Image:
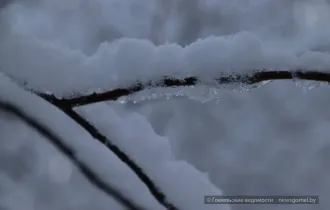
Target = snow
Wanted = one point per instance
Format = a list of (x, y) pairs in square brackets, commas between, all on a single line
[(52, 36), (272, 140), (45, 177), (153, 154), (269, 140)]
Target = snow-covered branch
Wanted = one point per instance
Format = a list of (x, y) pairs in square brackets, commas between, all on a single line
[(94, 132), (95, 179), (67, 105), (246, 79)]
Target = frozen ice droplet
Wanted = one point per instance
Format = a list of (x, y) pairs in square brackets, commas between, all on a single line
[(240, 87), (122, 101), (308, 85), (260, 84), (201, 93)]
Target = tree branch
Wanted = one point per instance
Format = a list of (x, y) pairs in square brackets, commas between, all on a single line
[(67, 105), (68, 110), (153, 189), (166, 82), (69, 153)]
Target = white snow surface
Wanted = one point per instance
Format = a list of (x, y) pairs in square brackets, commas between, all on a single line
[(267, 141), (33, 169), (111, 43)]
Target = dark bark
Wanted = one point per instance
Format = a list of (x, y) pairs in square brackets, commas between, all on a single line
[(69, 153), (246, 79)]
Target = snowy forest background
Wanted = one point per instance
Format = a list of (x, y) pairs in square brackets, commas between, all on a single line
[(269, 139)]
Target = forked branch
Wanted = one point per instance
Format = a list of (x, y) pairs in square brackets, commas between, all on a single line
[(67, 105), (93, 131), (69, 153)]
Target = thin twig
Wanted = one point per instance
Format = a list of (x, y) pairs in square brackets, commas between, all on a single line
[(166, 82), (69, 153)]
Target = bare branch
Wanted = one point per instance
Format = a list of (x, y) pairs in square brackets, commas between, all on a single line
[(188, 81), (69, 153)]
